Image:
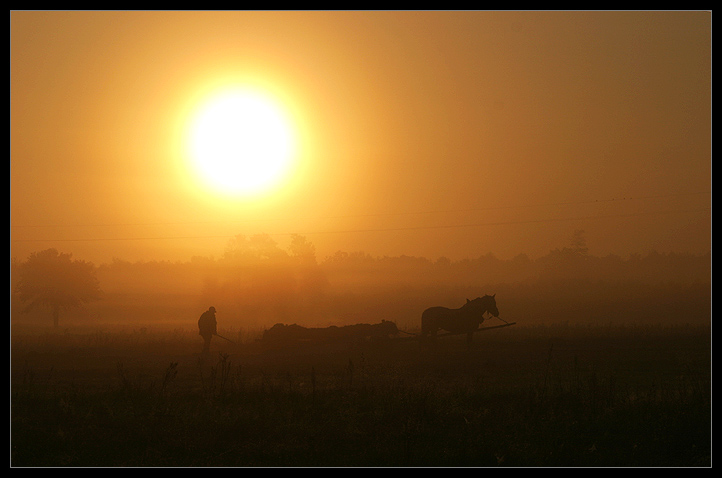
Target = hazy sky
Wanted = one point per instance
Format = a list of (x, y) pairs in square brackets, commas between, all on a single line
[(421, 133)]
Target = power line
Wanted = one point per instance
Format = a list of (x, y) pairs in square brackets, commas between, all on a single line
[(389, 229), (382, 214), (519, 206)]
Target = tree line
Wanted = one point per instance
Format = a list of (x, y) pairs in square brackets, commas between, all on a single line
[(256, 281)]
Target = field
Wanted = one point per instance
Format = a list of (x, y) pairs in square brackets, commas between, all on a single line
[(546, 396)]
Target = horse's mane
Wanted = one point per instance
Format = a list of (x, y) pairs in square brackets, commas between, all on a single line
[(478, 300)]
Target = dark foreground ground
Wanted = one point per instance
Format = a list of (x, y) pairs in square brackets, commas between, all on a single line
[(520, 397)]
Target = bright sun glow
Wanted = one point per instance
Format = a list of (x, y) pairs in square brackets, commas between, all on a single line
[(241, 143)]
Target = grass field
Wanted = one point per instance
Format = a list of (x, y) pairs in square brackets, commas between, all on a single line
[(520, 397)]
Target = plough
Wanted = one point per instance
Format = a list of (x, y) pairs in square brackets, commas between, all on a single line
[(446, 334)]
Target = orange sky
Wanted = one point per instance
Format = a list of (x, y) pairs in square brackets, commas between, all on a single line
[(423, 133)]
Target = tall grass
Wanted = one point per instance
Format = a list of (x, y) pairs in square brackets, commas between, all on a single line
[(557, 397)]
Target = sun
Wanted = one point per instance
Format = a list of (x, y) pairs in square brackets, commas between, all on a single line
[(241, 142)]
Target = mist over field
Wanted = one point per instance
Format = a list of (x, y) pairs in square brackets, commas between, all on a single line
[(256, 284), (360, 238), (608, 362)]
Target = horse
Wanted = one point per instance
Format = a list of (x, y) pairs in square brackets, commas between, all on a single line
[(466, 319)]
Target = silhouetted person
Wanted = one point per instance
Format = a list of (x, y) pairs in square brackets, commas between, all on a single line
[(207, 327)]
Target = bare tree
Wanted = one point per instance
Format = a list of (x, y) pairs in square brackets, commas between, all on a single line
[(53, 280)]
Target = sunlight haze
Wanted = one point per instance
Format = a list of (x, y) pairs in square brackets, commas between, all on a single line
[(419, 133), (361, 239)]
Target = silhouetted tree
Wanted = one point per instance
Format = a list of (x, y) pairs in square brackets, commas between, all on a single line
[(53, 280), (257, 249), (579, 242), (302, 250)]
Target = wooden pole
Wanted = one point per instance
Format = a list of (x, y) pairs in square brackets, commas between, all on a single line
[(480, 329)]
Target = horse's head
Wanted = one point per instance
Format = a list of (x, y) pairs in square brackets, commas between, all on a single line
[(484, 304), (492, 305)]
